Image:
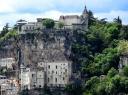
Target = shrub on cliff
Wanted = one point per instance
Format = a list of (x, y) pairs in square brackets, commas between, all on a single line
[(48, 23)]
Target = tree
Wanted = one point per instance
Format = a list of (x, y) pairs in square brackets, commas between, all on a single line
[(123, 47), (5, 30), (61, 25), (125, 71), (103, 21), (112, 72), (73, 89), (48, 23), (124, 32), (91, 18), (118, 20)]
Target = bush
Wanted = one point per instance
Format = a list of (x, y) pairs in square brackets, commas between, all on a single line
[(48, 23)]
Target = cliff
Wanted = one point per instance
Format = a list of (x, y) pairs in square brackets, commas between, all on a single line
[(42, 46)]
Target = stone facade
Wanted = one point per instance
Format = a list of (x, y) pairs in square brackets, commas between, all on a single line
[(75, 21), (25, 77), (8, 86), (70, 20), (37, 79), (57, 73), (123, 61), (31, 78), (48, 58), (7, 62), (52, 74), (32, 26)]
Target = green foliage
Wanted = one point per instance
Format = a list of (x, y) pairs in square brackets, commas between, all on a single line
[(61, 25), (123, 46), (125, 71), (103, 62), (5, 30), (48, 23), (74, 89), (112, 72), (124, 32), (91, 18), (100, 48), (11, 33), (92, 82), (118, 20)]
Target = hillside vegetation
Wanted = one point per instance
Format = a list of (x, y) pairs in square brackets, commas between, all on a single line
[(97, 51)]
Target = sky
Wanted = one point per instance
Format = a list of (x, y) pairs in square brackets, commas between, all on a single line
[(13, 10)]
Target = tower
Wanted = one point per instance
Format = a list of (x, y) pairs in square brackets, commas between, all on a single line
[(85, 12), (84, 19)]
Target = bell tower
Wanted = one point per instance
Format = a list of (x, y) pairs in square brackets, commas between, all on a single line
[(84, 18), (85, 12)]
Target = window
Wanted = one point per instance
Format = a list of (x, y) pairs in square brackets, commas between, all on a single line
[(49, 66), (39, 86), (48, 79), (52, 71), (56, 66), (55, 79), (32, 75), (63, 78)]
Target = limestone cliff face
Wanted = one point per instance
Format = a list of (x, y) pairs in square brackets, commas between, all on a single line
[(44, 46)]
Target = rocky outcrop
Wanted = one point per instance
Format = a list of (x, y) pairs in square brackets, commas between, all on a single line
[(42, 46)]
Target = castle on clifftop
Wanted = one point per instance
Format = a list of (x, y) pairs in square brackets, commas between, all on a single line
[(69, 21), (43, 55)]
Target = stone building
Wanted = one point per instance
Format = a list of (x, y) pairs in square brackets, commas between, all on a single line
[(33, 26), (31, 78), (52, 74), (57, 73), (25, 77), (69, 21), (37, 79), (8, 86), (7, 62), (75, 21), (3, 79), (19, 24)]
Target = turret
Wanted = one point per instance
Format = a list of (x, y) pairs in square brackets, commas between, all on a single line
[(84, 18), (85, 13)]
